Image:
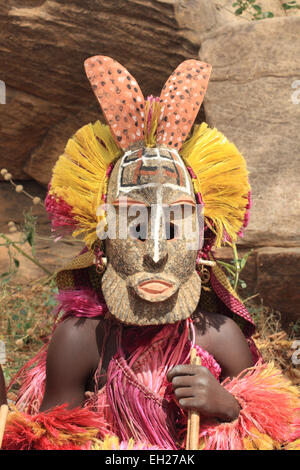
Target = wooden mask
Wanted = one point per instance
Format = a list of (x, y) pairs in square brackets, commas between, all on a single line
[(151, 206)]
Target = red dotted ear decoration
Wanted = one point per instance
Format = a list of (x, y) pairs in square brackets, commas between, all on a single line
[(124, 106), (180, 101), (120, 97)]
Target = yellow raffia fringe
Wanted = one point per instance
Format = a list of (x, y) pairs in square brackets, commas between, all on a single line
[(293, 445), (260, 441), (150, 137), (17, 418), (109, 443), (221, 178), (79, 176)]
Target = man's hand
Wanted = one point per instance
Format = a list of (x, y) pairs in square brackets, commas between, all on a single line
[(196, 388)]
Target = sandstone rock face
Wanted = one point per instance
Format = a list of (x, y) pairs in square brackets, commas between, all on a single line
[(196, 18), (43, 45), (199, 18), (278, 280), (24, 120), (272, 276), (52, 145), (59, 36), (250, 99)]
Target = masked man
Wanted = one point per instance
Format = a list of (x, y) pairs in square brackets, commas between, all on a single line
[(151, 198)]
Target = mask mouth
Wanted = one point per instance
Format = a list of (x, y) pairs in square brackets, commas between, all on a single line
[(154, 288)]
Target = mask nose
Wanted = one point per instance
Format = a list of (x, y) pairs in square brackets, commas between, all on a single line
[(157, 244), (156, 255)]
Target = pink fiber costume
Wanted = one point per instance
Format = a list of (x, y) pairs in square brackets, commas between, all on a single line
[(135, 406)]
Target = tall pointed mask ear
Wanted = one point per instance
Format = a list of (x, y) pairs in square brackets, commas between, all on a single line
[(120, 97), (180, 100)]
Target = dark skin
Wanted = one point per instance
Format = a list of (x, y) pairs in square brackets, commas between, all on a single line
[(75, 349), (2, 389)]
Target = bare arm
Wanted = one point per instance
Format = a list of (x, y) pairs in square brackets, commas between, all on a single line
[(227, 343), (71, 360)]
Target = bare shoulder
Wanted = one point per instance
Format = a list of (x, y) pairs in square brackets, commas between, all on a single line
[(222, 337), (77, 328), (72, 357), (76, 336)]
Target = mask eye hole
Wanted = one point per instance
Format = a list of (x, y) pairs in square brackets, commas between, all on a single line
[(171, 231), (138, 232)]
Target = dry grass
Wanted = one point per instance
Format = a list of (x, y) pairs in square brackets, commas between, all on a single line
[(274, 343), (25, 322)]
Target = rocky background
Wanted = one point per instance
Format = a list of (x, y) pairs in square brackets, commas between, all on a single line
[(250, 98)]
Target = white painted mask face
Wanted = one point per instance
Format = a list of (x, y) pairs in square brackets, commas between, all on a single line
[(152, 258)]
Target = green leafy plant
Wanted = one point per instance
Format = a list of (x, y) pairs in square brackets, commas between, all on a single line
[(235, 267), (252, 8), (295, 328), (255, 10), (27, 236), (290, 5), (17, 247), (29, 230)]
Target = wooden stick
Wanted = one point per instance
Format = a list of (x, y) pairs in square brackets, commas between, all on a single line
[(207, 262), (193, 426), (3, 418), (187, 445)]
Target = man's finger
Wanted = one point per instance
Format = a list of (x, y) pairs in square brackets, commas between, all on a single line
[(183, 369), (185, 392), (182, 381), (188, 403)]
